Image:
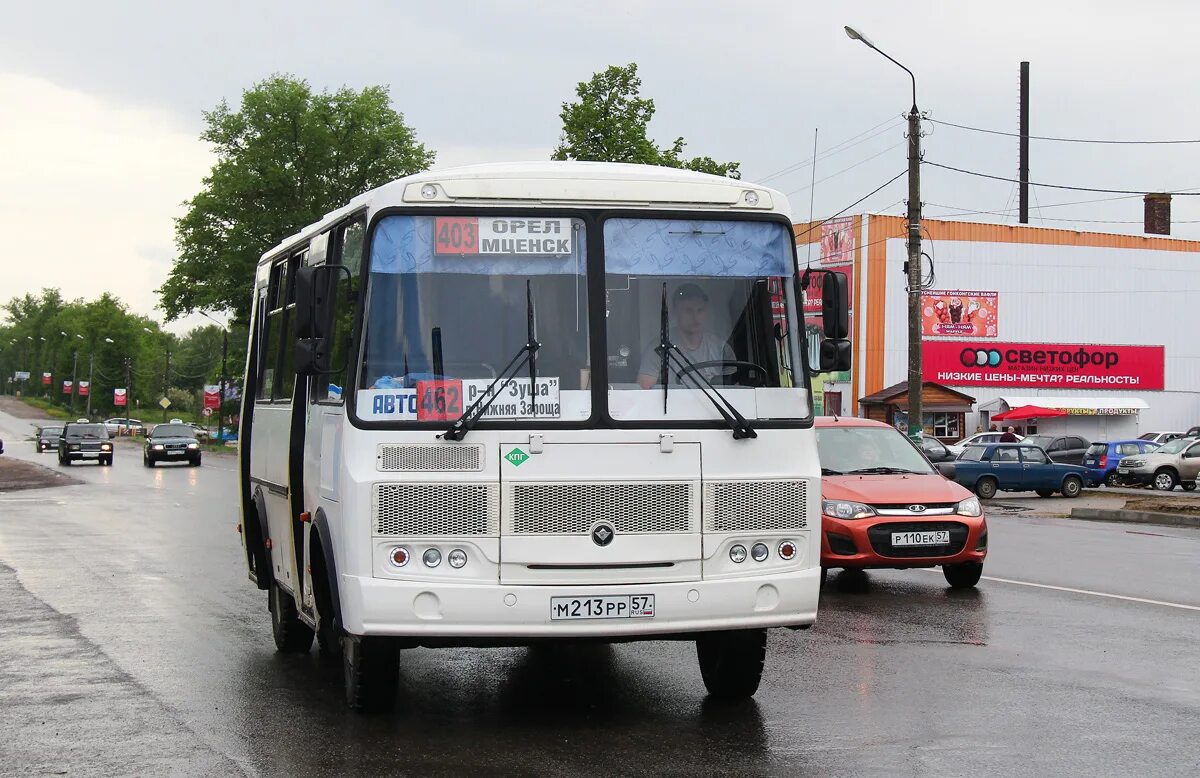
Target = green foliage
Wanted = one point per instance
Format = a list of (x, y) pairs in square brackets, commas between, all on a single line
[(285, 157), (610, 123)]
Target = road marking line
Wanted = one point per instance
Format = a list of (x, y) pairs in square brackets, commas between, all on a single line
[(1088, 591)]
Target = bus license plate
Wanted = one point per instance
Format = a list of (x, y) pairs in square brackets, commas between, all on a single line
[(931, 538), (625, 606)]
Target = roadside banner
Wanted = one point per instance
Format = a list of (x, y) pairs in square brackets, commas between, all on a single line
[(958, 313), (67, 387), (212, 396), (46, 378), (1043, 365), (21, 375), (119, 397), (84, 388)]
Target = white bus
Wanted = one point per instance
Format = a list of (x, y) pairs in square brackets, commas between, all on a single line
[(506, 404)]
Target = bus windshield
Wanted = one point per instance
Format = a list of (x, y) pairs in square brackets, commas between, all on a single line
[(724, 288), (448, 299)]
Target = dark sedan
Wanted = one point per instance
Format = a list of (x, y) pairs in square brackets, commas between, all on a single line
[(1065, 449), (1016, 467), (171, 443), (47, 438), (82, 441)]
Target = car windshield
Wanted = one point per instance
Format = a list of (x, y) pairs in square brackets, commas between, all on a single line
[(1175, 446), (867, 450), (87, 431), (973, 453), (52, 430), (1148, 436), (1097, 449), (448, 308), (718, 291), (1039, 440), (172, 431)]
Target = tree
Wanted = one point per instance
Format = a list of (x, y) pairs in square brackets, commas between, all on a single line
[(610, 123), (285, 157)]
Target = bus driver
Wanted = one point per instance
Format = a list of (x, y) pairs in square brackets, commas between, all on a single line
[(689, 309)]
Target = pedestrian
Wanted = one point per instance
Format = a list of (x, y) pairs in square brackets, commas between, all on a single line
[(993, 428), (978, 429), (1009, 436)]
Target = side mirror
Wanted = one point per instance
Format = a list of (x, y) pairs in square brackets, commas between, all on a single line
[(947, 469), (835, 356), (314, 299), (312, 356), (835, 306)]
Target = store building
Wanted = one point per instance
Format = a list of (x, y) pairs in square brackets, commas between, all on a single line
[(1094, 327)]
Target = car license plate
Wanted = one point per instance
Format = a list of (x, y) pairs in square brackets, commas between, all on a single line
[(89, 454), (929, 538), (1123, 470), (624, 606)]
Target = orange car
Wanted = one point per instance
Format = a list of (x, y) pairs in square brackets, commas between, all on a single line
[(884, 505)]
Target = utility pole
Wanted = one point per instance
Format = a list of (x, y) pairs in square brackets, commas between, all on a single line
[(91, 386), (166, 380), (1023, 163), (221, 399), (912, 268), (74, 378), (128, 393)]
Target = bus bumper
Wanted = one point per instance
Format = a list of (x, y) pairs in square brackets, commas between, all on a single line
[(375, 606)]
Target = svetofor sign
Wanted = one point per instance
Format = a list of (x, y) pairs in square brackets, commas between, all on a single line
[(1064, 365)]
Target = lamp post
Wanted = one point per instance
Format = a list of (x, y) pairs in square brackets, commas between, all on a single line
[(91, 369), (912, 267), (221, 382)]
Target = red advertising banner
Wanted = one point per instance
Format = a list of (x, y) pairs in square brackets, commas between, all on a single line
[(837, 242), (118, 397), (66, 387), (46, 379), (84, 388), (1042, 365), (212, 396), (959, 313)]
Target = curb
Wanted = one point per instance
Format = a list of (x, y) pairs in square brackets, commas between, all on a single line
[(1136, 517)]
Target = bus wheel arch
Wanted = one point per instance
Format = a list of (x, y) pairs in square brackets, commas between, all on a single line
[(323, 566), (255, 529)]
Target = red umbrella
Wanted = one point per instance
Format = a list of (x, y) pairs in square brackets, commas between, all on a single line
[(1028, 412)]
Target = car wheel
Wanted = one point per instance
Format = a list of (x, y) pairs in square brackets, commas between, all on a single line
[(964, 575), (107, 462), (1165, 480), (371, 672), (1110, 480), (194, 462), (148, 460), (292, 636), (1072, 486), (64, 461), (731, 663), (1045, 492), (1189, 486), (986, 488)]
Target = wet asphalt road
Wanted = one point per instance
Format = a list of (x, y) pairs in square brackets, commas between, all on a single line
[(132, 644)]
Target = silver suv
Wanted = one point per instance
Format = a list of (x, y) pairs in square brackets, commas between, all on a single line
[(1175, 464)]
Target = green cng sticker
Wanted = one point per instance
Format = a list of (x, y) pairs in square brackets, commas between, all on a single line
[(517, 457)]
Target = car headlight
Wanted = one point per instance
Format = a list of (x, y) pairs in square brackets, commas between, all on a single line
[(193, 445), (106, 447), (158, 447), (969, 507), (841, 509), (74, 446)]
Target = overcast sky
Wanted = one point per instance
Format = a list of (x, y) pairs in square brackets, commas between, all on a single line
[(101, 102)]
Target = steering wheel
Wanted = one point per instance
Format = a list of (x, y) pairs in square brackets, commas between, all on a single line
[(749, 367)]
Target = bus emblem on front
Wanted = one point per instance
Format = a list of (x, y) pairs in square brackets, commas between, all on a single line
[(603, 534), (517, 457)]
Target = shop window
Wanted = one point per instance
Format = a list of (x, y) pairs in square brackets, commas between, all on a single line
[(942, 425)]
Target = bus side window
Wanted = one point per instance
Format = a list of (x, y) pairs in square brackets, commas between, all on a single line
[(268, 344), (348, 252), (287, 374)]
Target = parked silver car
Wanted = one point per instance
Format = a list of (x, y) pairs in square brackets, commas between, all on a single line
[(1175, 464)]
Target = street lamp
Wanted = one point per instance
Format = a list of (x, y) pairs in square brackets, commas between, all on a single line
[(221, 383), (912, 267)]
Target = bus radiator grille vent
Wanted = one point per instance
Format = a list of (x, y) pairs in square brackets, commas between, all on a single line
[(437, 509), (755, 506), (392, 458), (574, 508)]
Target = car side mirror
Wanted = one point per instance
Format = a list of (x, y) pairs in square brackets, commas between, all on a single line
[(947, 469), (835, 305)]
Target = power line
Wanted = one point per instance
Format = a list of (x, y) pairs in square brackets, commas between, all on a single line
[(856, 202), (847, 170), (1067, 140), (1137, 192), (1039, 217), (837, 148)]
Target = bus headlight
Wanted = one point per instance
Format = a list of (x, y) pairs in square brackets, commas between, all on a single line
[(432, 557), (737, 554), (759, 552), (457, 558)]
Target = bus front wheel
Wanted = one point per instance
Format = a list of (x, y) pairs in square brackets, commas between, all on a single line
[(292, 636), (731, 663), (371, 670)]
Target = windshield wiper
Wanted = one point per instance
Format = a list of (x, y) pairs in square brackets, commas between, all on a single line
[(666, 350), (883, 471), (528, 354)]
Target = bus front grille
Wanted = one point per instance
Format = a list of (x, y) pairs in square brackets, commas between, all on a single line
[(574, 508), (436, 509), (391, 458), (755, 506)]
